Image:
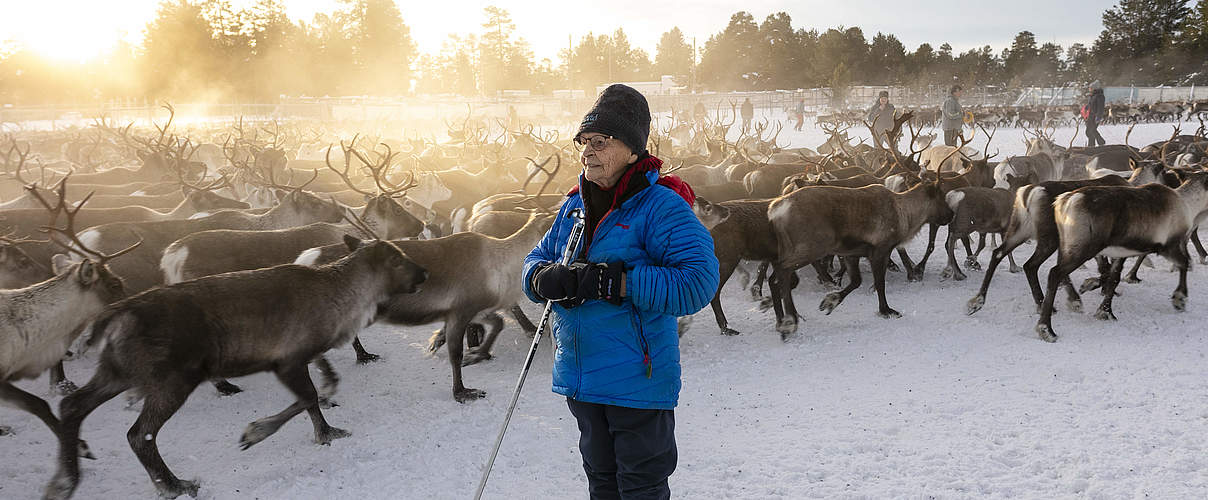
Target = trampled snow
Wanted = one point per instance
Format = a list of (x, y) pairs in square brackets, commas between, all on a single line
[(934, 404)]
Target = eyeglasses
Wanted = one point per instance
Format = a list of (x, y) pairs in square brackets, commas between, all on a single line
[(598, 143)]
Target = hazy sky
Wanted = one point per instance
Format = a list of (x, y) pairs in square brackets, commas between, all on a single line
[(77, 29)]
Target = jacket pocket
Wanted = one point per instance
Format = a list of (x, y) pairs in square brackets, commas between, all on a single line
[(642, 342)]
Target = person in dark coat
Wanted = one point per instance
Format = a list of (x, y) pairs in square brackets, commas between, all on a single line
[(1095, 111), (953, 118), (881, 115), (644, 260), (748, 113)]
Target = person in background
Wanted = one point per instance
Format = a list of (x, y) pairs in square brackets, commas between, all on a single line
[(953, 117), (644, 260), (800, 112), (748, 113), (1095, 107), (881, 115)]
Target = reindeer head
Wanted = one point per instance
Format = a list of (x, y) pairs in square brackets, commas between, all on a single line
[(388, 217), (710, 214), (402, 274)]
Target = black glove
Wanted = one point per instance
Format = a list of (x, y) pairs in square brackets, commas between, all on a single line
[(600, 281), (555, 282)]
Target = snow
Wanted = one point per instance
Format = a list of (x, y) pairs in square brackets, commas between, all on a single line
[(934, 404)]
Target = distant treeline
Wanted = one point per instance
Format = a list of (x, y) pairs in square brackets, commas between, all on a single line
[(208, 50)]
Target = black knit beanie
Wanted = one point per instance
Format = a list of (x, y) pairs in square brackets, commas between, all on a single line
[(621, 112)]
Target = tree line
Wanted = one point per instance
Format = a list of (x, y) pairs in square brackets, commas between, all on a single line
[(206, 49)]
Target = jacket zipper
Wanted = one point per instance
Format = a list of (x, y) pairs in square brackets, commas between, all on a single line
[(637, 326), (578, 361)]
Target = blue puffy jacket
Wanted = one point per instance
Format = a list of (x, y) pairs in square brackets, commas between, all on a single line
[(628, 355)]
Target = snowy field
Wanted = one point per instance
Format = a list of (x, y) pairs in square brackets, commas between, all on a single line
[(934, 404)]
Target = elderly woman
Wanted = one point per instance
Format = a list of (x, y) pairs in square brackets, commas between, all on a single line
[(644, 260), (880, 115)]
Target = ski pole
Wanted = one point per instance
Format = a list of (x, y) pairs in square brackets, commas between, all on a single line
[(568, 254)]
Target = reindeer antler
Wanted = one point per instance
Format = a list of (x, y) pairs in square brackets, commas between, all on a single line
[(69, 231)]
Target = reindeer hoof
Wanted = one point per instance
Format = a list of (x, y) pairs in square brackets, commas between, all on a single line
[(5, 430), (175, 488), (468, 394), (729, 331), (1105, 315), (329, 434), (830, 302), (1074, 305), (1179, 301), (946, 274), (1088, 285), (765, 303), (893, 267), (1046, 333), (256, 432), (436, 341), (1204, 261), (975, 304), (1132, 279), (367, 358), (1015, 269), (64, 387), (326, 402), (474, 357), (973, 264), (225, 388), (889, 314), (682, 325), (787, 328), (61, 487)]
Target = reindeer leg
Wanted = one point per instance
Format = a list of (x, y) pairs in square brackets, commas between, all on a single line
[(158, 406), (953, 270), (483, 351), (1009, 244), (455, 331), (1031, 268), (1199, 247), (1109, 290), (971, 261), (363, 356), (912, 273), (877, 260), (58, 381), (39, 408), (74, 409), (786, 310), (967, 241), (1060, 272), (1132, 271), (1096, 282), (756, 284), (922, 265), (331, 380), (833, 299), (523, 320), (1182, 261)]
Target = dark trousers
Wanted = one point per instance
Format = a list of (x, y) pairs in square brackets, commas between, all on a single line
[(950, 137), (1092, 134), (628, 453)]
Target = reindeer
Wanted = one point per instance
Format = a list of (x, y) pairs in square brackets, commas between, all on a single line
[(870, 222), (39, 322), (1032, 218), (1119, 222), (471, 276), (165, 342)]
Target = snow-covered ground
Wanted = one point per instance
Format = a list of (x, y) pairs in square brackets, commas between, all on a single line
[(934, 404)]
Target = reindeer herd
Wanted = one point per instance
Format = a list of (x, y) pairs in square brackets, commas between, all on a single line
[(175, 256)]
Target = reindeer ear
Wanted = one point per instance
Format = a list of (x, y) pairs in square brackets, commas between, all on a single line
[(352, 242), (88, 272), (60, 262), (368, 198)]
